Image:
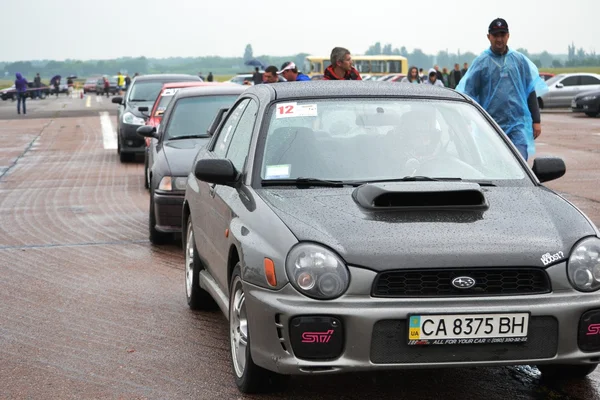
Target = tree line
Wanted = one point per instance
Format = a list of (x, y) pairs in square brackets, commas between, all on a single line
[(234, 65)]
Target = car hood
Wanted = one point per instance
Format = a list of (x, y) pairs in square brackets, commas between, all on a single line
[(519, 226), (180, 154), (588, 93)]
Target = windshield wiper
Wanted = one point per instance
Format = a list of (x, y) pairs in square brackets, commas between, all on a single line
[(138, 100), (420, 178), (189, 137), (306, 182)]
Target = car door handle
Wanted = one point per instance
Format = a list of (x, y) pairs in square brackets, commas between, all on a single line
[(212, 190)]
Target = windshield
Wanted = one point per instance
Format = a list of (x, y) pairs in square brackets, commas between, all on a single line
[(145, 91), (193, 115), (370, 139)]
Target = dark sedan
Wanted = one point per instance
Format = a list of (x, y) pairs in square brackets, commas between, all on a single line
[(587, 102), (345, 227), (142, 92), (181, 133)]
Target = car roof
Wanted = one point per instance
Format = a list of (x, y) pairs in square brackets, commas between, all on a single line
[(342, 89), (169, 77), (210, 90), (178, 85)]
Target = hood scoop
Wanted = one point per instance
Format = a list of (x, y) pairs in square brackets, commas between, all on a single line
[(420, 196)]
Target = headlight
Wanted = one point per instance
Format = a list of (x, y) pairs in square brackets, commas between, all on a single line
[(170, 183), (584, 265), (588, 98), (129, 118), (316, 271)]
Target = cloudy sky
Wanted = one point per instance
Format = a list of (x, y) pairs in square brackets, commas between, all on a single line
[(90, 29)]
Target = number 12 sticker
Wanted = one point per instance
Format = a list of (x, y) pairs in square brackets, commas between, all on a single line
[(289, 110)]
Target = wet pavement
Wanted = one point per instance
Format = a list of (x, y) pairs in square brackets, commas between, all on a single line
[(90, 310)]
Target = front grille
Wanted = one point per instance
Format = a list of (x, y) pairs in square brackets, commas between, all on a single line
[(438, 282), (389, 344)]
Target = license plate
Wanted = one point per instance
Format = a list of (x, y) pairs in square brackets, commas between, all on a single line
[(468, 328)]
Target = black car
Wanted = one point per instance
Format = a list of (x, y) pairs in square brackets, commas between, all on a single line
[(183, 130), (587, 102), (31, 92), (142, 93), (112, 88), (345, 227)]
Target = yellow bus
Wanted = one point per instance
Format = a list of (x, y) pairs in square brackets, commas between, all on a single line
[(373, 65)]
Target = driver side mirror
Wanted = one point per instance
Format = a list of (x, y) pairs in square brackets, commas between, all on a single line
[(144, 111), (147, 131), (117, 100), (219, 171), (548, 168)]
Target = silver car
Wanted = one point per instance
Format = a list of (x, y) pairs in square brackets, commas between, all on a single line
[(564, 87), (410, 234)]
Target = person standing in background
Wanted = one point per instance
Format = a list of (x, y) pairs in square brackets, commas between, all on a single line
[(21, 87)]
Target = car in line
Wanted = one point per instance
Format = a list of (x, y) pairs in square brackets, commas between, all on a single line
[(142, 93), (89, 86), (177, 140), (564, 87), (587, 102), (165, 96), (415, 237)]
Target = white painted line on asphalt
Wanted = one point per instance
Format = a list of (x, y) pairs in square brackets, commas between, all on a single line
[(109, 135), (88, 102), (97, 99)]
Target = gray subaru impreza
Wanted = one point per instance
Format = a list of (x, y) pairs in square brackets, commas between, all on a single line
[(346, 226)]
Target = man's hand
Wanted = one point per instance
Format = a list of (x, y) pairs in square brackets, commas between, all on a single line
[(537, 130)]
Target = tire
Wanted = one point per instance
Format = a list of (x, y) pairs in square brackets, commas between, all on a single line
[(592, 114), (146, 172), (249, 377), (125, 157), (197, 298), (566, 372), (156, 237), (42, 95)]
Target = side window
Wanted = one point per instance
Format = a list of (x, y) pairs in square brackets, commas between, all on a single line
[(224, 135), (242, 135), (571, 81), (589, 80)]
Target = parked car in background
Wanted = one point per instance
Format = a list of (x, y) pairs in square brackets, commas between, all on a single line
[(167, 93), (546, 75), (89, 86), (564, 87), (183, 131), (410, 248), (587, 102), (112, 89), (11, 92), (143, 92)]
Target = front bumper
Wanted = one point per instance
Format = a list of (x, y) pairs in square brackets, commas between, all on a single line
[(587, 106), (375, 329), (130, 141), (168, 211)]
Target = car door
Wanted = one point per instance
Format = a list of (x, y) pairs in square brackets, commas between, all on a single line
[(226, 197), (564, 91), (205, 214)]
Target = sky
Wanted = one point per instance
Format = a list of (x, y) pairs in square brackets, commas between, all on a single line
[(106, 29)]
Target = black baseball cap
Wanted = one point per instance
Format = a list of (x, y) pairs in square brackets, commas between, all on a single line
[(498, 25)]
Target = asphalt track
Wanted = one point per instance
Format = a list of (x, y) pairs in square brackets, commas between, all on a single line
[(89, 309)]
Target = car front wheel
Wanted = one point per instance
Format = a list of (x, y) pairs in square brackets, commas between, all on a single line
[(562, 372), (197, 298), (249, 377)]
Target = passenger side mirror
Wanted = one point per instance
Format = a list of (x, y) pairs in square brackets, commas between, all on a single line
[(548, 168), (147, 131), (219, 171), (217, 121), (559, 86), (117, 100)]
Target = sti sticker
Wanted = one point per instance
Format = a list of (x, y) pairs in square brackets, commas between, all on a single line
[(291, 110), (278, 171), (170, 92)]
